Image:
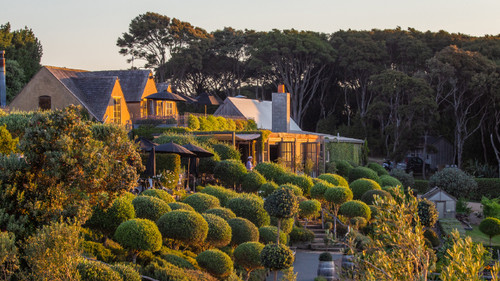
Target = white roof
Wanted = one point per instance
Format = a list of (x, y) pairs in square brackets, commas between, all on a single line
[(260, 111)]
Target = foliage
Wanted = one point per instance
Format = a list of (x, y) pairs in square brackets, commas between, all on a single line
[(453, 181), (227, 152), (297, 191), (447, 226), (224, 213), (151, 208), (216, 263), (386, 180), (93, 270), (165, 271), (7, 143), (462, 207), (362, 185), (177, 261), (377, 168), (267, 188), (334, 179), (362, 172), (432, 236), (302, 181), (338, 195), (219, 231), (491, 207), (318, 190), (98, 251), (486, 187), (299, 234), (422, 186), (369, 196), (270, 171), (53, 252), (276, 256), (243, 231), (269, 234), (309, 208), (139, 234), (180, 206), (405, 178), (355, 208), (427, 212), (126, 272), (250, 207), (247, 255), (193, 122), (343, 168), (230, 172), (202, 202), (9, 257), (107, 220), (282, 203), (252, 181), (490, 226), (286, 225), (222, 193), (160, 194), (166, 163), (325, 256), (183, 226)]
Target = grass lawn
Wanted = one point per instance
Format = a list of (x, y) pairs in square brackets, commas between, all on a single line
[(478, 236)]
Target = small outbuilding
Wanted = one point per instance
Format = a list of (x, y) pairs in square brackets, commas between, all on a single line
[(445, 203)]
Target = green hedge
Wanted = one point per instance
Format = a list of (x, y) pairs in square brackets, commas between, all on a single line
[(350, 152), (447, 225), (169, 162), (487, 187), (422, 186)]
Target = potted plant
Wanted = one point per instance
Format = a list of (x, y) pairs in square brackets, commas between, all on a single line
[(326, 266)]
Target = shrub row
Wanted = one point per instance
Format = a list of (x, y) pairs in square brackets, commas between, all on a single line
[(219, 123)]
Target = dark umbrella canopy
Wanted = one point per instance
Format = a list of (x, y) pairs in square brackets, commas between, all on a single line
[(164, 95), (200, 152), (174, 148), (145, 144), (207, 99)]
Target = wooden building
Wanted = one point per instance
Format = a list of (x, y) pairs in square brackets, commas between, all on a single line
[(445, 203)]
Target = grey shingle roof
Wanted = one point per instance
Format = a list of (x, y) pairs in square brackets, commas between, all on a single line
[(132, 82), (96, 92)]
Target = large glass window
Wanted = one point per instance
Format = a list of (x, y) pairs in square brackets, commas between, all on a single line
[(117, 110), (310, 151), (170, 108), (286, 153), (45, 102), (144, 108)]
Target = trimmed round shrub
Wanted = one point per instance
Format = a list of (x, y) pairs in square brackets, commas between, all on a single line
[(355, 208), (427, 213), (405, 178), (362, 185), (286, 225), (160, 194), (325, 256), (151, 208), (185, 226), (107, 220), (224, 213), (318, 190), (386, 180), (252, 181), (180, 206), (215, 262), (243, 231), (219, 231), (267, 188), (276, 257), (328, 225), (250, 207), (432, 236), (98, 271), (303, 182), (377, 168), (226, 151), (299, 234), (207, 164), (230, 172), (97, 250), (222, 193), (490, 226), (369, 196), (247, 255), (338, 195), (454, 181), (165, 271), (281, 204), (362, 172), (297, 191), (193, 122), (177, 261), (201, 202), (358, 222), (343, 168), (271, 171), (334, 179), (127, 273), (139, 234), (268, 234), (309, 208)]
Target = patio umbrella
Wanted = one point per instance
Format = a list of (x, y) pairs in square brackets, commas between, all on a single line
[(200, 153), (165, 95), (173, 148), (145, 144), (207, 99)]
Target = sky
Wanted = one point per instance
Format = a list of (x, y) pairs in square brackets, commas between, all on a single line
[(83, 34)]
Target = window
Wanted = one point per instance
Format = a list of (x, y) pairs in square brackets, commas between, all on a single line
[(117, 110), (44, 102), (144, 108), (160, 108), (170, 108), (309, 151), (286, 153)]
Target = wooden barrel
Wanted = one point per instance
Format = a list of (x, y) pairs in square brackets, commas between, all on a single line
[(326, 269)]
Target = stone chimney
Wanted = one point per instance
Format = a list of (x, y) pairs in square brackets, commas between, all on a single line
[(281, 110), (3, 86)]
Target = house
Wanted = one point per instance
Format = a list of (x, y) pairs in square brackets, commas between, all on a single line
[(55, 88), (445, 203), (439, 152)]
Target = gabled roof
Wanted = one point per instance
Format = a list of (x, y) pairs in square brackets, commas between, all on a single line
[(260, 111), (132, 82), (436, 190)]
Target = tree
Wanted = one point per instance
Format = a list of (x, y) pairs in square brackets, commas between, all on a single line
[(281, 204), (153, 37), (247, 255), (336, 196), (139, 235), (490, 226)]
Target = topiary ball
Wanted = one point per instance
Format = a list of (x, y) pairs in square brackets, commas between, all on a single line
[(252, 181), (360, 186), (180, 206), (98, 271), (222, 193), (490, 226), (369, 196), (427, 213), (201, 202), (243, 231), (355, 208), (362, 172), (343, 167), (267, 188), (150, 208), (127, 273), (276, 257), (281, 204), (286, 225), (139, 234), (304, 182), (251, 207), (219, 231), (247, 255), (328, 225), (230, 172), (215, 262), (297, 191), (338, 195), (270, 171), (386, 180), (334, 179), (268, 234), (358, 222), (406, 179), (107, 220), (160, 194), (185, 226), (309, 208), (377, 168), (318, 190), (325, 256), (224, 213)]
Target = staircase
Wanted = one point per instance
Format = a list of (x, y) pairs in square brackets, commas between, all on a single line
[(318, 244)]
